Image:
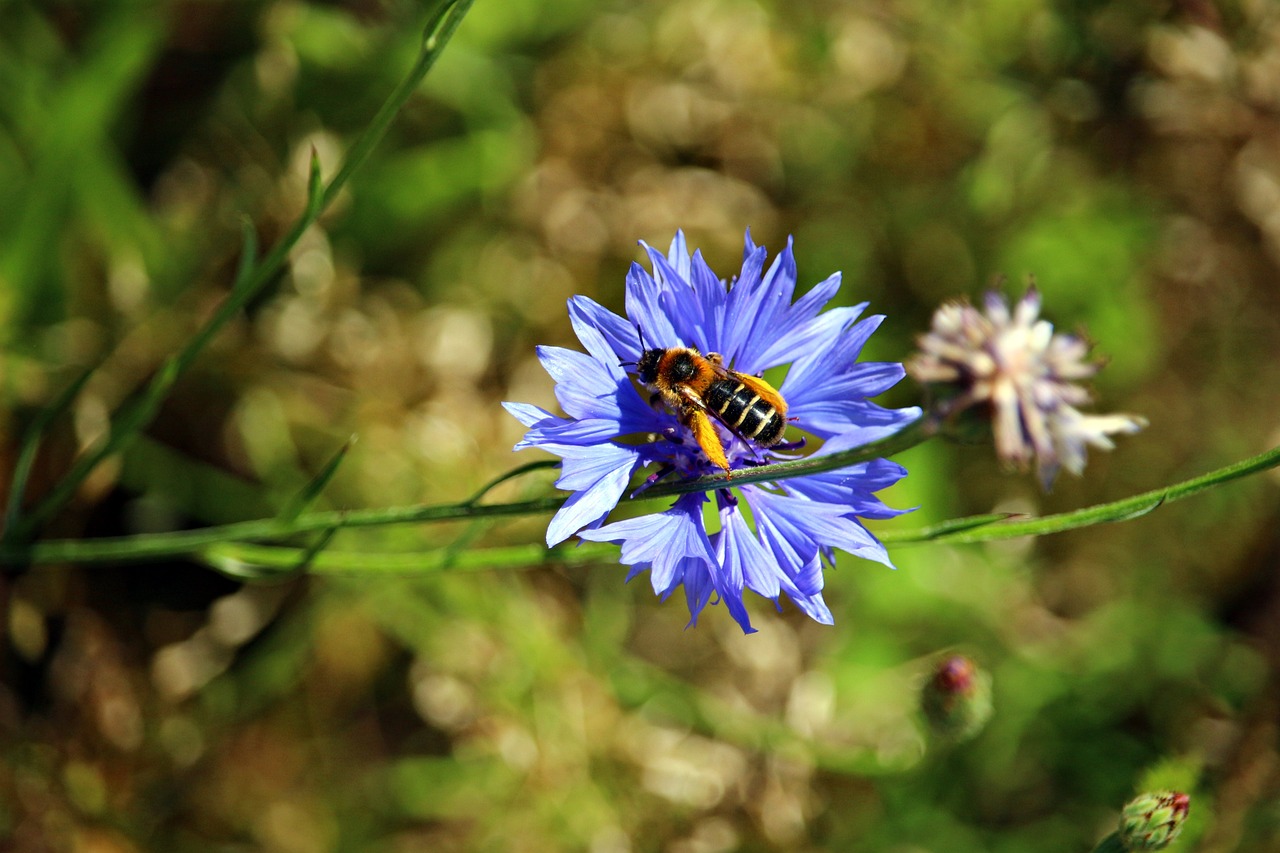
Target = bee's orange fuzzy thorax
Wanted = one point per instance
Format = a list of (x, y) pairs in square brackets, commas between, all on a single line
[(705, 373)]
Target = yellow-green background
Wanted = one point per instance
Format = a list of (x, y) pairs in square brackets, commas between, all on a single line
[(1127, 154)]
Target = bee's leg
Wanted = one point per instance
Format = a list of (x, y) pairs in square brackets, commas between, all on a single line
[(664, 471), (704, 432), (787, 446)]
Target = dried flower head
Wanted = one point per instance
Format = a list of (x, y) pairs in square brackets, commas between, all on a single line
[(1013, 362), (752, 325)]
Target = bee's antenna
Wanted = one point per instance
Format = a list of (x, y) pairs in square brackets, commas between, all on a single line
[(640, 331)]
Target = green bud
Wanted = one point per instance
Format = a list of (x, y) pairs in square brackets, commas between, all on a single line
[(1153, 821), (956, 701)]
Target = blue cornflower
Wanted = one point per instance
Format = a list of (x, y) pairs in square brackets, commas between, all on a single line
[(754, 325)]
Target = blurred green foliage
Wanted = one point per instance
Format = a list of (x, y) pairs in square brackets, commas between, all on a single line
[(1123, 153)]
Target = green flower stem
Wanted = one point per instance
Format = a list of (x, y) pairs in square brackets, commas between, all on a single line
[(251, 279), (989, 528), (262, 561), (1111, 844), (186, 542), (189, 542), (972, 529)]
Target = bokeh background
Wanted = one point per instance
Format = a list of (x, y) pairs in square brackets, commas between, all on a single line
[(1127, 154)]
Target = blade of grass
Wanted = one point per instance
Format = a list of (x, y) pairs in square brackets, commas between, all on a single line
[(31, 445), (131, 419), (248, 253), (305, 498)]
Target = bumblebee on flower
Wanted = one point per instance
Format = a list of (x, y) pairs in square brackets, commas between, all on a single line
[(698, 390)]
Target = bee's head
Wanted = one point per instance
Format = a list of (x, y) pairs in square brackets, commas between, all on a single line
[(647, 366)]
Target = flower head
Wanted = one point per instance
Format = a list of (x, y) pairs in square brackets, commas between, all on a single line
[(751, 325), (1013, 362)]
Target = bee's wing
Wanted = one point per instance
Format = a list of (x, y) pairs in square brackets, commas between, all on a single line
[(696, 407), (766, 391)]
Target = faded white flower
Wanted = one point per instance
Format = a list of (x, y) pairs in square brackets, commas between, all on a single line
[(1013, 362)]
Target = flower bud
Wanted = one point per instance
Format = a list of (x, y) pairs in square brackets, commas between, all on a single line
[(1153, 821), (956, 701)]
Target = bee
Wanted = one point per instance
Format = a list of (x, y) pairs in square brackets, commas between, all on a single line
[(699, 387)]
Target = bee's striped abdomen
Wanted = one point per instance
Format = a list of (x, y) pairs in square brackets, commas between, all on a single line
[(739, 407)]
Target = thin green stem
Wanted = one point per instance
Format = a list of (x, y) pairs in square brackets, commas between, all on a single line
[(260, 561), (982, 528), (251, 278), (987, 528), (185, 542), (1111, 844), (527, 468)]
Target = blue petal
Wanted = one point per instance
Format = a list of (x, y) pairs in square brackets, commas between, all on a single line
[(827, 418), (645, 309), (697, 587), (582, 388), (584, 432), (587, 389), (796, 332), (806, 524), (865, 379), (621, 337), (679, 303), (663, 540), (737, 546), (771, 302), (791, 552), (735, 559), (836, 349), (711, 295), (741, 303), (546, 428), (815, 608), (527, 413), (863, 435), (598, 476), (582, 467), (678, 255), (852, 487)]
